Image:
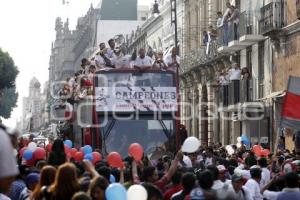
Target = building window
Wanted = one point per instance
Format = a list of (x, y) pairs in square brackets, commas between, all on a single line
[(143, 18)]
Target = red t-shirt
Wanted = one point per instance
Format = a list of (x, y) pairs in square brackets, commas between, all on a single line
[(174, 189), (161, 183)]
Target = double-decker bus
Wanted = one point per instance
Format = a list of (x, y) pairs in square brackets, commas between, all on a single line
[(134, 106)]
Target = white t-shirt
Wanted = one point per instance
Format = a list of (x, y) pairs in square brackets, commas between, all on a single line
[(265, 177), (8, 164), (121, 61), (234, 74), (169, 60), (271, 195), (3, 197), (254, 189), (143, 62), (223, 80), (243, 194), (100, 63)]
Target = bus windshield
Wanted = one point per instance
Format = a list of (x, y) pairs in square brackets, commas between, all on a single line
[(151, 134)]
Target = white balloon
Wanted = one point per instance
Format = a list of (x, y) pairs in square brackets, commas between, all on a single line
[(229, 149), (238, 145), (190, 145), (137, 192), (32, 146), (239, 139)]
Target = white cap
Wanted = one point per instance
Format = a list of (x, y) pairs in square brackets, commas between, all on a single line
[(8, 164)]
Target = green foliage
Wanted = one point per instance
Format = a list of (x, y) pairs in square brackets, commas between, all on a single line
[(8, 71), (8, 101)]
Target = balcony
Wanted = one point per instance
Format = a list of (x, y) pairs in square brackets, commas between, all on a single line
[(248, 34), (198, 57), (236, 92), (231, 40), (272, 18)]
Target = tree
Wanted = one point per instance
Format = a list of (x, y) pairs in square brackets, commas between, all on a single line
[(8, 101), (8, 71), (8, 74)]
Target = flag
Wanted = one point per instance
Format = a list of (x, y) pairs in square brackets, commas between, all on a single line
[(290, 117)]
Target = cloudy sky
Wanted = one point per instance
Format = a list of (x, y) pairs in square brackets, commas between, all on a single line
[(27, 30)]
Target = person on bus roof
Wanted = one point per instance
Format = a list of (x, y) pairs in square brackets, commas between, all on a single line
[(159, 61), (142, 61), (102, 59), (172, 60), (119, 60), (112, 44)]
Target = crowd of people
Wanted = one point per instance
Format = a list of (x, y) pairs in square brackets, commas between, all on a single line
[(195, 172), (80, 85)]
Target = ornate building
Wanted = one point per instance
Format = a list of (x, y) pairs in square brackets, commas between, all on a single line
[(264, 26), (34, 107)]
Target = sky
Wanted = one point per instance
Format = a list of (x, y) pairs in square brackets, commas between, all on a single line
[(27, 30)]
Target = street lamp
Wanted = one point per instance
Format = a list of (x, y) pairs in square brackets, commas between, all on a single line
[(174, 21), (155, 11)]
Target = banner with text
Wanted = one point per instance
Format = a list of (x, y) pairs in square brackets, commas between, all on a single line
[(128, 99)]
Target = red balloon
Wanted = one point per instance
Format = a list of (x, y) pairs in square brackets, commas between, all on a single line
[(30, 162), (136, 151), (114, 160), (73, 152), (265, 152), (49, 147), (96, 157), (257, 149), (78, 156), (21, 151), (67, 149), (39, 154)]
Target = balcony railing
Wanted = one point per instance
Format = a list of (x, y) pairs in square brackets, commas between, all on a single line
[(246, 24), (199, 56), (236, 92), (226, 34), (272, 17)]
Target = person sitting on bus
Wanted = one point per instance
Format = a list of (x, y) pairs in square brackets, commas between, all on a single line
[(110, 51), (142, 62), (101, 58), (172, 60), (119, 60), (159, 62), (84, 66)]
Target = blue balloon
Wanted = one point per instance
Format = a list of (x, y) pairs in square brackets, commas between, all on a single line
[(27, 155), (245, 140), (69, 143), (112, 179), (87, 149), (89, 157), (116, 191)]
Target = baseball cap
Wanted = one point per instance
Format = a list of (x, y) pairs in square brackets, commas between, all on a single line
[(32, 178), (221, 168), (237, 177), (8, 164)]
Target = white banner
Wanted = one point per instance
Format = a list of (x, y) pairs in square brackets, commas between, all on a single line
[(128, 99)]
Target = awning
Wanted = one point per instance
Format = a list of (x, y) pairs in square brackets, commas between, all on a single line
[(273, 95)]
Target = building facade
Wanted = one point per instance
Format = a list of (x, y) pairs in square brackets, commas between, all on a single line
[(34, 114), (264, 29), (157, 32)]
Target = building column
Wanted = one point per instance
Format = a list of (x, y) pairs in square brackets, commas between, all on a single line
[(211, 114), (200, 128)]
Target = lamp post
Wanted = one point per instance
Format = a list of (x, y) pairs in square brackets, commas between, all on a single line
[(174, 21), (155, 10)]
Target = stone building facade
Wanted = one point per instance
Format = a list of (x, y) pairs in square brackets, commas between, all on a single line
[(264, 28)]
